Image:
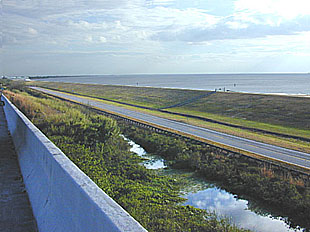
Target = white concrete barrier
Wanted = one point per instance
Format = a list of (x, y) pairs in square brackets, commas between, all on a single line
[(62, 197)]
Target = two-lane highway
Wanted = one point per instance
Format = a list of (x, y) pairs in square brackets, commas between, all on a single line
[(243, 145)]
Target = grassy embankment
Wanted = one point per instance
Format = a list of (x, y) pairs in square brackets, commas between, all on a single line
[(239, 176), (93, 142), (279, 114)]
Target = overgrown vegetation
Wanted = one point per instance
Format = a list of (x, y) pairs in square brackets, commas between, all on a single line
[(275, 187), (94, 143)]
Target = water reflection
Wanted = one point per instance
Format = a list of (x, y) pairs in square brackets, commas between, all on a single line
[(226, 204), (204, 195), (152, 161)]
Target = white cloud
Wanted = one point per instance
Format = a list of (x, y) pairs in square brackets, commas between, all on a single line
[(32, 31), (287, 9), (102, 39), (236, 25), (159, 2), (159, 30), (203, 43), (89, 39), (135, 23)]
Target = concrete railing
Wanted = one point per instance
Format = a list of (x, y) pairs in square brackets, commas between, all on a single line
[(62, 197)]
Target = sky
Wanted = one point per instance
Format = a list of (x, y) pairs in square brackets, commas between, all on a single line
[(73, 37)]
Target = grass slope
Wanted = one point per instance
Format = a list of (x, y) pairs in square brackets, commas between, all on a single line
[(279, 114)]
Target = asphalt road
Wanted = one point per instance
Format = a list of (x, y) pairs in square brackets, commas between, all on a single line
[(266, 150)]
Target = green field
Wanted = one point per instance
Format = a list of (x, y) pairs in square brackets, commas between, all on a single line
[(279, 114), (283, 111)]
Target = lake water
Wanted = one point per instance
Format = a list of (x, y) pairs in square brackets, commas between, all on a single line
[(251, 83), (204, 195)]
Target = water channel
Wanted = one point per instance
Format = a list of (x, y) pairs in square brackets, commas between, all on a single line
[(204, 195)]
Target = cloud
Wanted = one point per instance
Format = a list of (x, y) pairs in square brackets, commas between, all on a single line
[(159, 2), (286, 9), (164, 31), (63, 21), (122, 22), (234, 27), (32, 31), (95, 39), (102, 39), (89, 39)]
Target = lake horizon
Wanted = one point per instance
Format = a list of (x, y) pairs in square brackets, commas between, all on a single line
[(267, 83)]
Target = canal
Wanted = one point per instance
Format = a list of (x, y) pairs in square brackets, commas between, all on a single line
[(204, 195)]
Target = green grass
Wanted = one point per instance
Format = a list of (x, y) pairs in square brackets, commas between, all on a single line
[(292, 112), (282, 111), (151, 97), (280, 114), (247, 123)]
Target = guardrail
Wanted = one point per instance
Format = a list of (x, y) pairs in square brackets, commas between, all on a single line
[(62, 197)]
